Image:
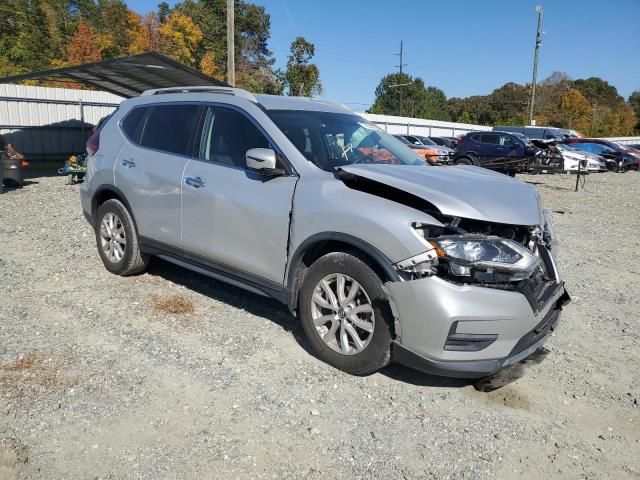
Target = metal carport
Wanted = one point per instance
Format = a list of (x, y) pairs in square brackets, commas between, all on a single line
[(126, 76)]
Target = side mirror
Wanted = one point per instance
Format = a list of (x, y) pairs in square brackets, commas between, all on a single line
[(261, 159)]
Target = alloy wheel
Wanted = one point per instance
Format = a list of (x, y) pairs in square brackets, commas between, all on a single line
[(342, 314), (113, 239)]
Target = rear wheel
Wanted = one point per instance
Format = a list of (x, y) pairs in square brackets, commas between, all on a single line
[(117, 240), (344, 314)]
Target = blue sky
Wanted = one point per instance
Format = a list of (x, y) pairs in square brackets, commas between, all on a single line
[(464, 47)]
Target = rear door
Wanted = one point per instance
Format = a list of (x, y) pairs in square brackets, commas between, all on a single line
[(234, 219), (488, 151), (149, 167)]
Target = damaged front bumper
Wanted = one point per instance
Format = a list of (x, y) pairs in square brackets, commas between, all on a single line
[(469, 331)]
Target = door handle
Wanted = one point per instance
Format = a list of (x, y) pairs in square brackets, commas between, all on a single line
[(195, 182), (128, 163)]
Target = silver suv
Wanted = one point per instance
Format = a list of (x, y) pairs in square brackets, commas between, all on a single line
[(381, 256)]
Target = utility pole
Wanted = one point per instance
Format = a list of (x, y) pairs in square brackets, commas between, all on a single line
[(400, 66), (535, 63), (593, 117), (231, 62)]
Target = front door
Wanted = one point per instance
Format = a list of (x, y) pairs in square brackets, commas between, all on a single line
[(234, 217), (148, 170)]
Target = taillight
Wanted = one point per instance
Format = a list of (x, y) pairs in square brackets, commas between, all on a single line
[(93, 144), (24, 163)]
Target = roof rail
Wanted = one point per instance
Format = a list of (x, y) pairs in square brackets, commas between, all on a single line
[(238, 92)]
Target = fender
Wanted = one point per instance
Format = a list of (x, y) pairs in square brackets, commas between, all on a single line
[(118, 193), (293, 280)]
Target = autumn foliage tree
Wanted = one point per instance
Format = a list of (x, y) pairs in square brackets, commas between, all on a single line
[(577, 110), (83, 48), (183, 37)]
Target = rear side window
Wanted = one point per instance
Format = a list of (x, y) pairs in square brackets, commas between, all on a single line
[(132, 123), (489, 138), (170, 128)]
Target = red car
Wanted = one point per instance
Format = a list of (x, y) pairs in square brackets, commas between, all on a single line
[(625, 158)]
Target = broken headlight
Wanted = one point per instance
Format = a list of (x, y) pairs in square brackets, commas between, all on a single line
[(464, 254)]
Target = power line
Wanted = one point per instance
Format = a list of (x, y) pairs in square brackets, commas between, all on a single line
[(290, 17)]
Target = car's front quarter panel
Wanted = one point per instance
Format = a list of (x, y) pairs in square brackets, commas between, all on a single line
[(323, 203)]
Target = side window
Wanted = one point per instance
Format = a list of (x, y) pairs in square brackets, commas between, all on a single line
[(506, 140), (132, 123), (227, 135), (170, 128), (489, 138), (597, 148)]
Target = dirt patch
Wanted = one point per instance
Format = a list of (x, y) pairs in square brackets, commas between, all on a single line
[(13, 456), (175, 304), (36, 373)]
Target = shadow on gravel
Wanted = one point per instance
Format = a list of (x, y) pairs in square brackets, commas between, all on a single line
[(236, 297), (552, 187), (414, 377), (277, 313)]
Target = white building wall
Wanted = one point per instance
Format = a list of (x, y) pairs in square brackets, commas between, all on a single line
[(51, 123), (421, 126)]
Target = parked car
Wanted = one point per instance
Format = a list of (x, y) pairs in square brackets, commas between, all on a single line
[(617, 155), (448, 142), (428, 152), (507, 152), (542, 133), (444, 154), (12, 164), (380, 255), (573, 157)]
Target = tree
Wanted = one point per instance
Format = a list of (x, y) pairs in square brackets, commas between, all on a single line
[(599, 91), (576, 110), (301, 77), (183, 37), (25, 42), (254, 61), (417, 100), (113, 24), (147, 38), (436, 104), (82, 48)]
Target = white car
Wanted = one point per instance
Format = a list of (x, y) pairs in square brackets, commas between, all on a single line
[(571, 157)]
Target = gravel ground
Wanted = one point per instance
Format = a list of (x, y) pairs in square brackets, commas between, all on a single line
[(101, 377)]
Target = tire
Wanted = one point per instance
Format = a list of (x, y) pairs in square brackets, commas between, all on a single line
[(115, 226), (463, 161), (375, 351)]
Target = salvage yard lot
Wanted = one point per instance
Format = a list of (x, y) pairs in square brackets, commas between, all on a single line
[(172, 375)]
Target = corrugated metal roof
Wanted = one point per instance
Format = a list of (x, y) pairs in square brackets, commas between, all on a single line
[(126, 76)]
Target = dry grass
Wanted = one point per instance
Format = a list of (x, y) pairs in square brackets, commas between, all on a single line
[(175, 304), (34, 374)]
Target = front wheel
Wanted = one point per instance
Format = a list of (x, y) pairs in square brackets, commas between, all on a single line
[(345, 315)]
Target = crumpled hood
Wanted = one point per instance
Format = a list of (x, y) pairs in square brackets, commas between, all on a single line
[(461, 191)]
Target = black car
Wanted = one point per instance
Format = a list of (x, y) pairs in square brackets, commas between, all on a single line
[(506, 152)]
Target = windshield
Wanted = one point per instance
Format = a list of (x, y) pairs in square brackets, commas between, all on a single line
[(526, 140), (426, 140), (331, 140)]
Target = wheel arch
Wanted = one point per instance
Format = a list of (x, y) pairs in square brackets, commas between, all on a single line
[(323, 243), (109, 192)]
